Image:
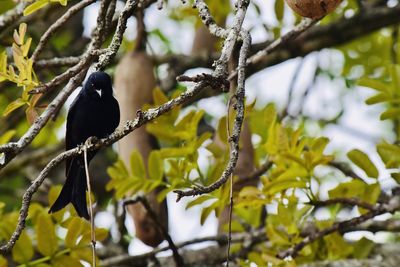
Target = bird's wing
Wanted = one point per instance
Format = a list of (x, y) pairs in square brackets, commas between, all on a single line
[(70, 138)]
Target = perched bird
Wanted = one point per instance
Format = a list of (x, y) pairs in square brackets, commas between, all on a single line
[(94, 112)]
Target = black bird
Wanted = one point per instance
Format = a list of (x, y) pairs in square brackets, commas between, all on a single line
[(94, 112)]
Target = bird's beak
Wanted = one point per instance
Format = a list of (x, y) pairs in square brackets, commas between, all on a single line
[(99, 92)]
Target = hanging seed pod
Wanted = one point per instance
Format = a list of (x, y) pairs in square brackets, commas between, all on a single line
[(313, 8)]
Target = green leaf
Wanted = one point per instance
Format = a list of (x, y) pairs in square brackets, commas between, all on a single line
[(391, 113), (198, 201), (155, 165), (378, 98), (362, 161), (390, 154), (35, 6), (337, 248), (64, 260), (137, 166), (205, 213), (3, 262), (7, 136), (279, 9), (46, 235), (278, 186), (374, 84), (159, 97), (362, 248), (349, 189), (63, 2), (101, 234)]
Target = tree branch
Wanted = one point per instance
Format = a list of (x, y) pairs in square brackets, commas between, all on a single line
[(221, 69), (179, 262), (58, 24), (391, 207), (79, 72), (12, 15)]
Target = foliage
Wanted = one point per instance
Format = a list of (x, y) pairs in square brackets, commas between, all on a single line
[(39, 4), (25, 76), (303, 161), (45, 243)]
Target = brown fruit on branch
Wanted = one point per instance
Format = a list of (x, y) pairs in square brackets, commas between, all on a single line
[(313, 8)]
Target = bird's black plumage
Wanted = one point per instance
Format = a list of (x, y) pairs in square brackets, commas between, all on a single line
[(94, 112)]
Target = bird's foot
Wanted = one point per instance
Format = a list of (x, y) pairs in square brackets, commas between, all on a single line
[(80, 147), (91, 141)]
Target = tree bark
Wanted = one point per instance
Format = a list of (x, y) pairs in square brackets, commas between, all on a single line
[(134, 82)]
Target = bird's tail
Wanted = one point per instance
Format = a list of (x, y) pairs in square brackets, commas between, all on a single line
[(73, 191)]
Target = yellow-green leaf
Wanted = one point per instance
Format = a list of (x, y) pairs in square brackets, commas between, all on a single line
[(378, 98), (46, 235), (137, 165), (391, 113), (390, 154), (35, 6), (101, 234), (3, 262), (7, 136), (159, 97), (75, 227), (13, 106), (64, 260), (363, 162), (374, 84), (22, 31), (23, 249), (155, 166), (279, 9), (278, 186), (63, 2)]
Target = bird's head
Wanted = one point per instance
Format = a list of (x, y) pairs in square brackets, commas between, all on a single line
[(98, 84)]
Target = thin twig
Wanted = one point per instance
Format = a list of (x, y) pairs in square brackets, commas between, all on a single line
[(391, 207), (92, 226), (343, 201), (228, 134), (12, 15), (292, 86), (177, 257), (300, 28), (58, 24), (208, 20), (77, 73), (160, 4), (221, 69), (57, 62), (345, 169), (116, 41), (220, 239), (141, 119)]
